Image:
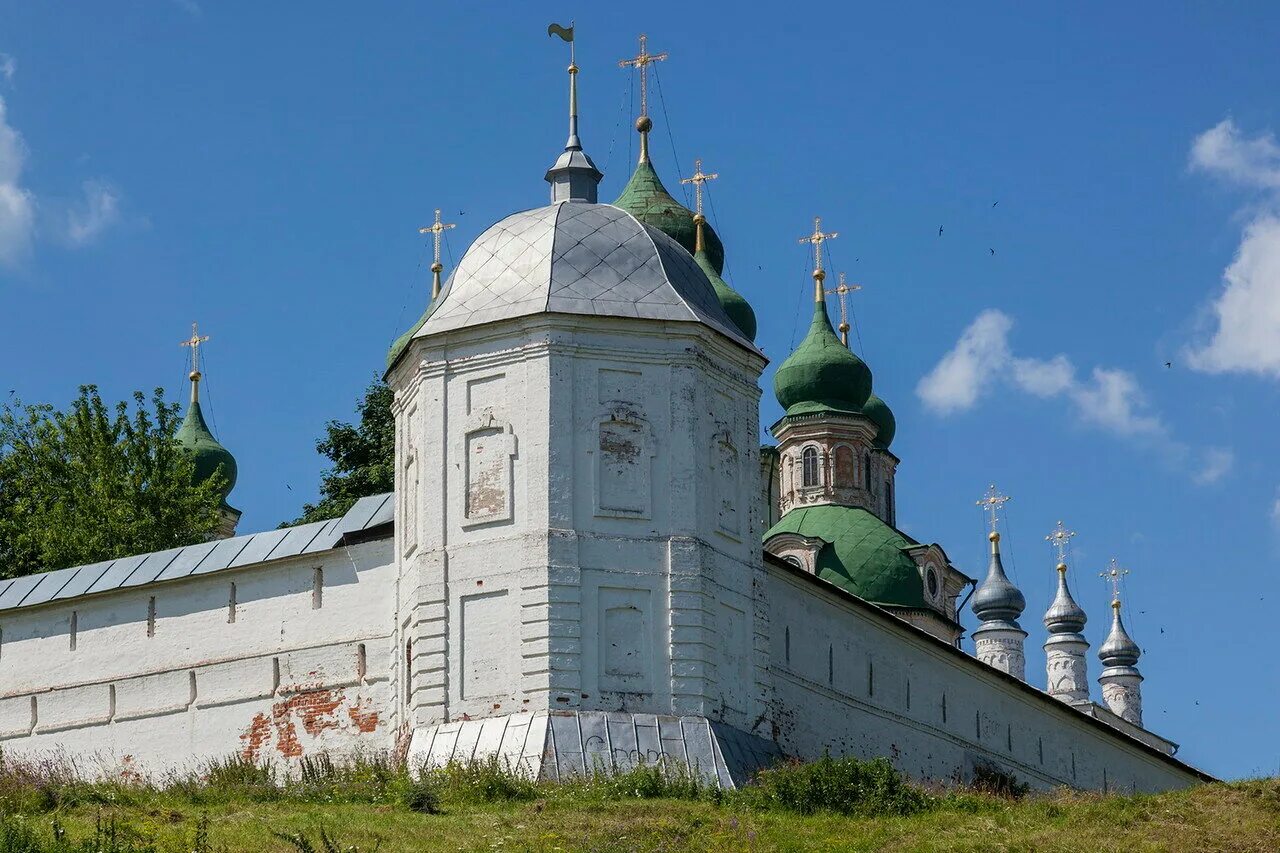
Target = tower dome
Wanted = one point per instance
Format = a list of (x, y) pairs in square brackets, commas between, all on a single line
[(209, 456), (822, 374), (575, 257), (1119, 648), (997, 599), (1064, 615), (880, 414)]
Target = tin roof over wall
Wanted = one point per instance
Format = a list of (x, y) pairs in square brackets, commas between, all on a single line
[(360, 523)]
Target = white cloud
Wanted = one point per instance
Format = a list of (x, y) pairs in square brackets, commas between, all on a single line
[(967, 371), (1217, 463), (1221, 151), (1245, 315), (98, 211), (8, 67), (1109, 398), (17, 204)]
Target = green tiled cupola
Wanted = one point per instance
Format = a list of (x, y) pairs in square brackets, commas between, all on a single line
[(822, 375)]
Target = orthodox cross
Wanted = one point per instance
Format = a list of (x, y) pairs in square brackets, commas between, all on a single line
[(698, 179), (642, 61), (435, 230), (1059, 538), (1113, 574), (843, 289), (817, 238), (991, 503), (194, 342)]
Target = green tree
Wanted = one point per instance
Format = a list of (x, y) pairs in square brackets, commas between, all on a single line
[(94, 483), (363, 457)]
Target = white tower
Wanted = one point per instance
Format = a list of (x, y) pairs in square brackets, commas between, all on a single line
[(998, 641), (1121, 682), (1065, 649), (577, 464)]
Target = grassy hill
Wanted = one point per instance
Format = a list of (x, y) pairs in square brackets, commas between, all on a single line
[(837, 805)]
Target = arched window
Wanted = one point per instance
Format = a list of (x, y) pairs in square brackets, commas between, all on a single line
[(866, 471), (846, 468), (809, 465), (888, 502)]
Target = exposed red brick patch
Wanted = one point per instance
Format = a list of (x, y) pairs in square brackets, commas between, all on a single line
[(366, 722), (256, 737), (316, 710)]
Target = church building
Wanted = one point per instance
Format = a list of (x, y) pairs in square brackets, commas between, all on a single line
[(589, 560)]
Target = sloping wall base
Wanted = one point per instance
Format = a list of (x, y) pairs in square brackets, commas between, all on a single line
[(560, 744)]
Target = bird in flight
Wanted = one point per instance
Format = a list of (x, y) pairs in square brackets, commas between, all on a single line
[(1168, 364), (939, 230), (993, 251), (994, 203)]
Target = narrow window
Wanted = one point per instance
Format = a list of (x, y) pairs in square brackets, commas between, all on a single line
[(786, 643), (75, 619), (362, 663), (831, 665), (1105, 786), (1073, 766), (977, 724), (888, 503), (944, 707), (1, 642), (866, 471), (1040, 747), (231, 605), (809, 465), (408, 672), (151, 616), (1008, 738), (317, 589), (908, 694), (871, 678)]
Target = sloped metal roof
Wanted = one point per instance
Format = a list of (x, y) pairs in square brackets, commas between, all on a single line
[(577, 258), (201, 558)]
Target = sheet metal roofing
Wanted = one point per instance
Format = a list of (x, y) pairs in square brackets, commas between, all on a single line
[(199, 559), (577, 258)]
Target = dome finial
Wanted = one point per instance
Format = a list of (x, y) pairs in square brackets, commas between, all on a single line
[(698, 178), (843, 289), (733, 303), (992, 503), (642, 61), (436, 229), (573, 177), (1114, 574), (817, 238), (194, 342)]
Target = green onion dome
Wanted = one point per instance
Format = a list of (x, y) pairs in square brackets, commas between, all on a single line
[(879, 414), (645, 198), (822, 374), (209, 456), (733, 302)]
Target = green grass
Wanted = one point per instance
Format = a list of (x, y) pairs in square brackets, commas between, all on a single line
[(370, 804)]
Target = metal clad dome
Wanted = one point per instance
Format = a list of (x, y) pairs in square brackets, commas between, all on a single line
[(577, 258)]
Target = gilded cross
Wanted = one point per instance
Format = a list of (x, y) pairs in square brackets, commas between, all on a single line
[(194, 342), (991, 503), (1113, 574), (698, 179), (1060, 538), (843, 289), (817, 238), (435, 230), (642, 61)]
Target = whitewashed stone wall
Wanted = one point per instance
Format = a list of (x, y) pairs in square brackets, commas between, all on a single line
[(164, 675), (587, 535), (853, 682)]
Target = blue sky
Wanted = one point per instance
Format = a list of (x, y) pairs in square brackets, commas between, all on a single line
[(264, 171)]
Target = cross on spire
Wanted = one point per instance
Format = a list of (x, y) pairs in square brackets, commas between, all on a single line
[(1060, 538), (698, 178), (436, 229), (843, 289), (817, 238), (194, 342), (642, 61), (1113, 574), (991, 503)]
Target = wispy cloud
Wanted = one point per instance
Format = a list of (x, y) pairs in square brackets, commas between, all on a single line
[(191, 7), (95, 213), (1109, 399), (1245, 314), (17, 204), (8, 67)]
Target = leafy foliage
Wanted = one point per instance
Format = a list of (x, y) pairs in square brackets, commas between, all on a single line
[(95, 483), (842, 785), (363, 457)]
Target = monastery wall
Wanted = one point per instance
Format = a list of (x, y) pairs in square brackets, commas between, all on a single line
[(851, 682), (271, 661)]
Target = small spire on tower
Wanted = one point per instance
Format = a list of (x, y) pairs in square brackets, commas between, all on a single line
[(698, 178), (1065, 648), (194, 342), (817, 238), (573, 177), (843, 289), (436, 230), (641, 62), (998, 603), (1121, 682)]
